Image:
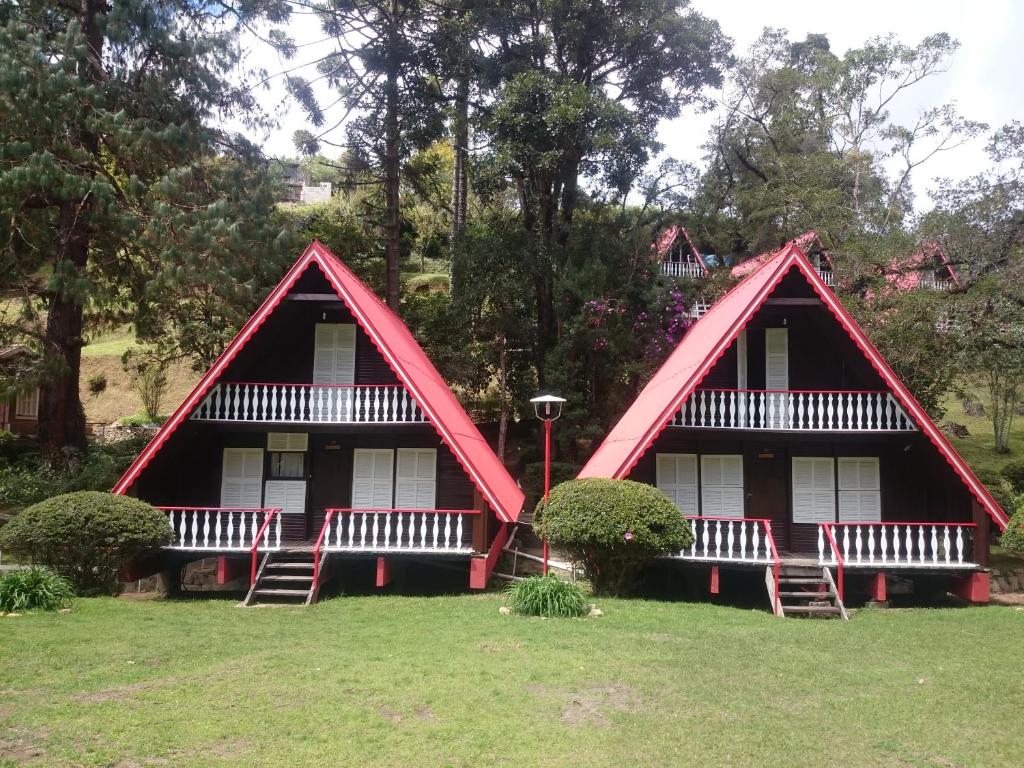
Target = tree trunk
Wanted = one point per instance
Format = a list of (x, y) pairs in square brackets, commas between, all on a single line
[(502, 395), (61, 417), (460, 141), (392, 167)]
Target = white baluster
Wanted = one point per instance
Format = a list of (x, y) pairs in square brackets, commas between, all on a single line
[(743, 540), (436, 522), (935, 545), (857, 543), (945, 542), (755, 539), (871, 543), (387, 530), (718, 538), (398, 532), (883, 545), (821, 543), (458, 531), (730, 540), (376, 521), (195, 529), (423, 530), (959, 544), (447, 531), (705, 539), (846, 541), (277, 523)]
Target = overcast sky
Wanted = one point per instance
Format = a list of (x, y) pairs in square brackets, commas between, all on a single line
[(984, 79)]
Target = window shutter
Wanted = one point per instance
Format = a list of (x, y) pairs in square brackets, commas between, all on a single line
[(372, 474), (721, 486), (26, 406), (814, 499), (289, 495), (776, 376), (415, 486), (287, 441), (241, 484), (334, 353), (860, 496), (677, 478)]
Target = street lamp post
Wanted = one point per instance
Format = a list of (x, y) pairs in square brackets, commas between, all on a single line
[(548, 408)]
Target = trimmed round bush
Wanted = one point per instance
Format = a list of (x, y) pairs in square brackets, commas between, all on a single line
[(612, 528), (546, 596), (1013, 537), (33, 589), (86, 536)]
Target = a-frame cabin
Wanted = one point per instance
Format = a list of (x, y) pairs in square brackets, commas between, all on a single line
[(782, 433), (323, 431)]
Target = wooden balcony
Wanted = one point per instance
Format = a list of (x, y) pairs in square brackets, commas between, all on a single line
[(682, 269), (793, 411), (309, 404), (930, 283), (897, 545), (827, 277), (222, 529), (730, 539), (423, 531)]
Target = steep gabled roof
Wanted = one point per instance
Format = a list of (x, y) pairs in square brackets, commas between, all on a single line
[(906, 274), (707, 341), (664, 242), (808, 242), (402, 353)]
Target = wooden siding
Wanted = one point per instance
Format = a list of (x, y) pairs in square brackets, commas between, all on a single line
[(188, 471), (916, 483), (282, 349)]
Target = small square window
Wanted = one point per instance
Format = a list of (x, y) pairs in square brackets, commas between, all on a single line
[(287, 465)]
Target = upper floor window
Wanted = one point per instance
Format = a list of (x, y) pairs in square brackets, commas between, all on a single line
[(334, 353), (26, 406)]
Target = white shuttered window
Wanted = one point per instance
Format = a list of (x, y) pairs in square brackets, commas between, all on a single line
[(814, 489), (288, 495), (860, 496), (334, 353), (372, 473), (721, 486), (241, 483), (26, 406), (415, 486), (677, 478), (776, 376)]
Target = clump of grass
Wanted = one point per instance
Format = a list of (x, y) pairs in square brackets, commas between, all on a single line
[(34, 589), (546, 596)]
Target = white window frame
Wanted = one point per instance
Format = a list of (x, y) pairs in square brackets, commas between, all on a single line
[(815, 503), (250, 497), (684, 495), (283, 442), (26, 405), (420, 490), (378, 493), (859, 484), (343, 372), (724, 499)]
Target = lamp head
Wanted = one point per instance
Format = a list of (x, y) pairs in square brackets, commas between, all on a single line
[(547, 407)]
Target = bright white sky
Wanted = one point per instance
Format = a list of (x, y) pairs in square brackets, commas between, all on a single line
[(984, 79)]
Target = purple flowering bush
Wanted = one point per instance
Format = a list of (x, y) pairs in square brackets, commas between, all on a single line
[(612, 528)]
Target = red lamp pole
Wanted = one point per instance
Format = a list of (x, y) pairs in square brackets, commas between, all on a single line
[(547, 480)]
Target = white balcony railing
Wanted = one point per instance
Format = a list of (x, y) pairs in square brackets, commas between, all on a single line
[(730, 539), (221, 529), (827, 277), (897, 545), (699, 308), (309, 404), (398, 530), (820, 411), (688, 269), (933, 284)]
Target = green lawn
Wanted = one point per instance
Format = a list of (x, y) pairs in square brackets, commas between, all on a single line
[(979, 450), (414, 681)]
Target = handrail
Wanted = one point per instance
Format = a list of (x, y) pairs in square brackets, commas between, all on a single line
[(214, 509), (402, 510), (799, 391), (316, 552), (904, 522), (776, 565), (304, 384), (827, 527), (256, 544)]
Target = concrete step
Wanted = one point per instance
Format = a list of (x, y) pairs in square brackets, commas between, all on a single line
[(283, 592), (819, 610)]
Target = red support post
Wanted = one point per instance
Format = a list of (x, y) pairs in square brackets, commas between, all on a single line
[(547, 480), (878, 593), (714, 579), (383, 572)]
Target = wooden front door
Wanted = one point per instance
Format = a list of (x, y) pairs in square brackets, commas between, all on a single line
[(330, 482), (768, 490)]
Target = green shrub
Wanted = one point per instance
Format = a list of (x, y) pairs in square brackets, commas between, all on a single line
[(34, 589), (1013, 537), (1013, 473), (86, 536), (1000, 488), (546, 596), (612, 528)]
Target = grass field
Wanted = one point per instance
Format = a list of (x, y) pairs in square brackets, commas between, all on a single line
[(414, 681), (978, 450)]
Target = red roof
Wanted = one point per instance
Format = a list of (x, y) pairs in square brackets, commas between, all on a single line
[(906, 274), (667, 239), (705, 343), (405, 357), (804, 242)]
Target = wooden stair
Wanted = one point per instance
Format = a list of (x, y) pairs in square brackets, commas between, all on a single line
[(806, 590), (283, 578)]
